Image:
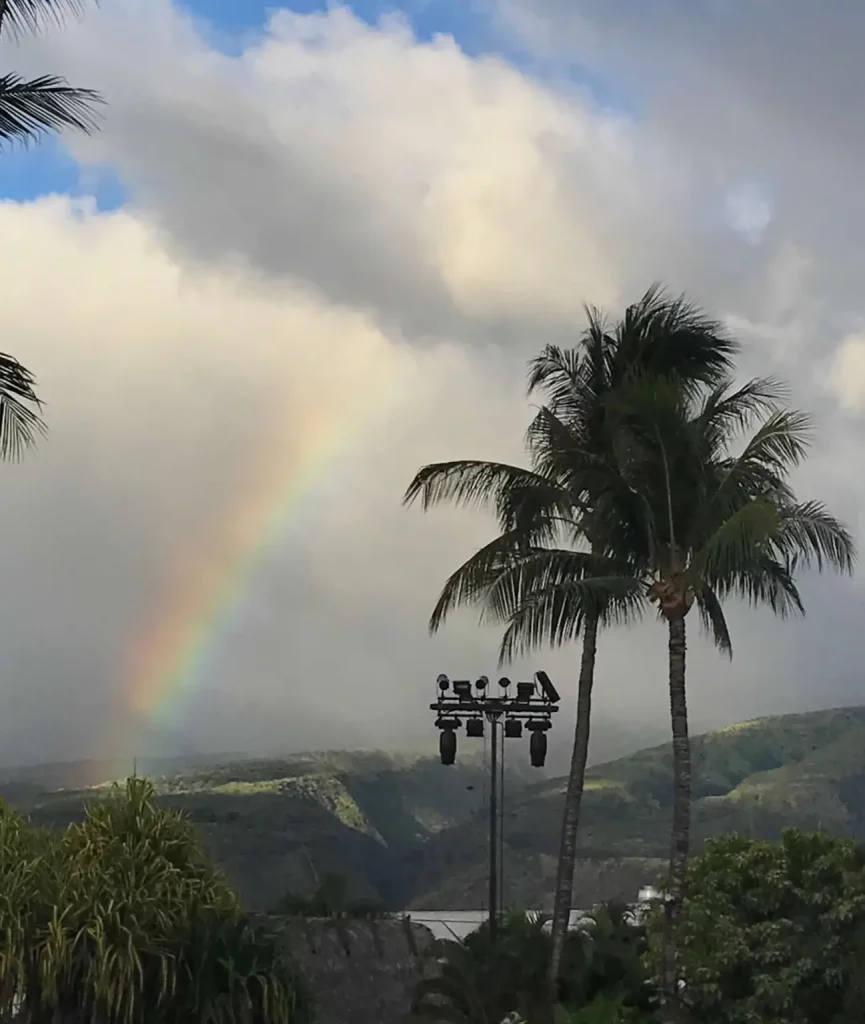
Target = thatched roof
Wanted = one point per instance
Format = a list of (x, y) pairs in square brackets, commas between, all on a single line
[(360, 971)]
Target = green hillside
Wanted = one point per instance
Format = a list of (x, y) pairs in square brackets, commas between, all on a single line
[(279, 824), (405, 830), (756, 777)]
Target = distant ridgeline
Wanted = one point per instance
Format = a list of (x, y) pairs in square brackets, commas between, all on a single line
[(406, 831)]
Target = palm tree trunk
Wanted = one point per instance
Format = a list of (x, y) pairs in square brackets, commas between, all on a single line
[(681, 832), (573, 799)]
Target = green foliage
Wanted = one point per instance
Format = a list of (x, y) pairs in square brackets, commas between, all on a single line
[(774, 933), (616, 966), (480, 983), (122, 920), (601, 1010)]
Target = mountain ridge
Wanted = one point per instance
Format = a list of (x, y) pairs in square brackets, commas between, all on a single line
[(405, 830)]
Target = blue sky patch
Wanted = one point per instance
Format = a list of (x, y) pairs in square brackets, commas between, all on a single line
[(235, 20), (47, 168), (26, 174), (468, 21)]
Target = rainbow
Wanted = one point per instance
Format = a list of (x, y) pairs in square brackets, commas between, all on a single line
[(168, 661)]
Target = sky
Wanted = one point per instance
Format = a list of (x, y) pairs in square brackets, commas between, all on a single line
[(312, 248)]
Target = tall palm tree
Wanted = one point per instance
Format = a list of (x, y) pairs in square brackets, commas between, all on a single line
[(693, 523), (31, 108), (543, 508)]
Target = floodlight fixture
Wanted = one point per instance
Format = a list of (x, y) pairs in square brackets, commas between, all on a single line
[(448, 746), (462, 688), (474, 727), (482, 682), (525, 692), (547, 688), (443, 682), (513, 728), (504, 682), (538, 749)]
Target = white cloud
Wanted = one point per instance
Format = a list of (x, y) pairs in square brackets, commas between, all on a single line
[(435, 189), (346, 232), (846, 377), (749, 210), (173, 394)]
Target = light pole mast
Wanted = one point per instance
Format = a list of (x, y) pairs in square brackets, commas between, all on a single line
[(493, 719), (532, 707)]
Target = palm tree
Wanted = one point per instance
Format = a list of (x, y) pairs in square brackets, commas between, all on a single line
[(542, 508), (693, 523), (31, 108)]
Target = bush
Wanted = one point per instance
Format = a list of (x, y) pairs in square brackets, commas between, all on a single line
[(603, 979), (775, 932), (122, 920)]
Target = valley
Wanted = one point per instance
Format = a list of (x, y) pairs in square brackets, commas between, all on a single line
[(407, 832)]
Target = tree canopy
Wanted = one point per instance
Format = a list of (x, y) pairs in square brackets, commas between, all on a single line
[(775, 932)]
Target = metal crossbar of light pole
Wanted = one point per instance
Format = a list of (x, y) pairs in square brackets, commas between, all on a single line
[(509, 708)]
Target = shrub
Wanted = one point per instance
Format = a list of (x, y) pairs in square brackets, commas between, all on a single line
[(602, 974), (775, 932), (122, 920)]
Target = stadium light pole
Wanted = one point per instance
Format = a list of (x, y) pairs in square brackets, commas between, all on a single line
[(530, 705)]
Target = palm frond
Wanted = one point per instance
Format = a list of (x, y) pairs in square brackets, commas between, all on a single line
[(713, 620), (737, 542), (470, 482), (761, 470), (727, 412), (31, 15), (558, 372), (575, 380), (649, 411), (665, 335), (778, 446), (765, 581), (20, 422), (555, 615), (808, 535), (538, 569), (659, 336), (29, 109), (471, 582), (558, 452), (656, 455), (515, 494)]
